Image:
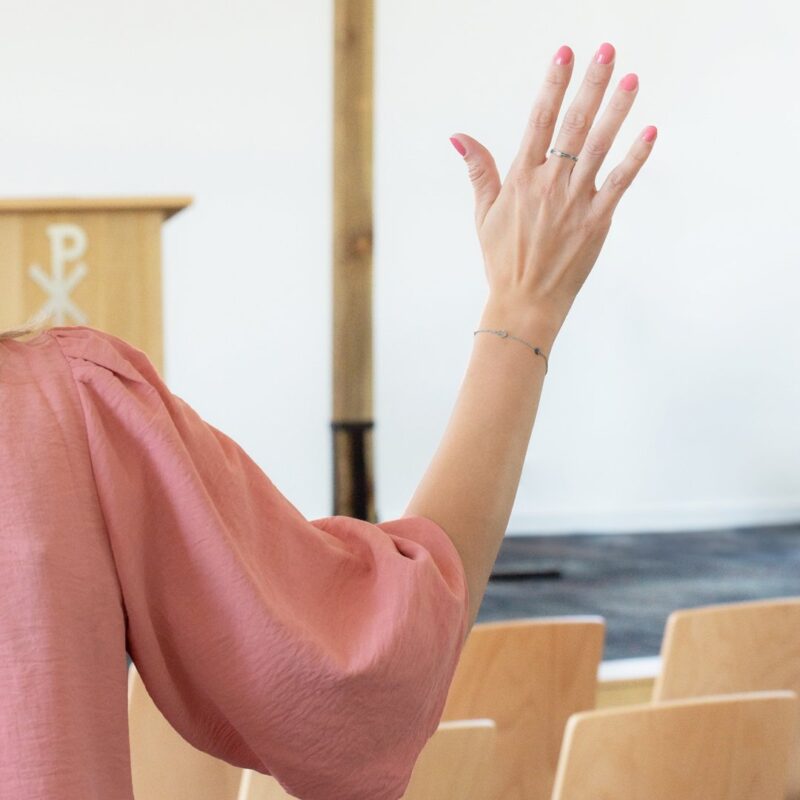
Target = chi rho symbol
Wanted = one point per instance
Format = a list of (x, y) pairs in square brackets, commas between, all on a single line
[(67, 244)]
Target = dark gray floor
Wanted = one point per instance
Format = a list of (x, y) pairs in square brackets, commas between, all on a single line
[(636, 580)]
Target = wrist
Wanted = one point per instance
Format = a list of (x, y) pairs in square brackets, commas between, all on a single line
[(537, 326)]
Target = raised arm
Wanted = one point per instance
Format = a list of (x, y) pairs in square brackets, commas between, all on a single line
[(540, 232)]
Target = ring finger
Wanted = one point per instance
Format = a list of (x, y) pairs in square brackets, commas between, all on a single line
[(581, 112), (602, 135)]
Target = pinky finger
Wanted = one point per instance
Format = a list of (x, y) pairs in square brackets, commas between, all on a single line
[(621, 177)]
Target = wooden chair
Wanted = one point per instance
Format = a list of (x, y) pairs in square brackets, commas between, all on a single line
[(163, 764), (626, 681), (455, 763), (529, 676), (730, 747), (257, 786), (736, 647)]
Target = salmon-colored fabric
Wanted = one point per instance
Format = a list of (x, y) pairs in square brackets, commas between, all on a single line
[(318, 651)]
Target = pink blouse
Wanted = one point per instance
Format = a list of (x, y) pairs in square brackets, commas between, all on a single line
[(317, 651)]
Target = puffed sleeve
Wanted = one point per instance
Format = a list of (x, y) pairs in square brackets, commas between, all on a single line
[(318, 651)]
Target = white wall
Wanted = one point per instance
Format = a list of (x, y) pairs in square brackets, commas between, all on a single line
[(672, 400)]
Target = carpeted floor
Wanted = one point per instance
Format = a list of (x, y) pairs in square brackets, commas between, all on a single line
[(635, 581)]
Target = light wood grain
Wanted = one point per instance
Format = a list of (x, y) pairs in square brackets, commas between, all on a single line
[(529, 676), (353, 58), (626, 681), (455, 763), (121, 292), (164, 766), (257, 786), (169, 205), (624, 692), (736, 647), (733, 747)]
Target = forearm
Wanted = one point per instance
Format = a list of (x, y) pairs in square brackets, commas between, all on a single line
[(471, 483), (540, 232)]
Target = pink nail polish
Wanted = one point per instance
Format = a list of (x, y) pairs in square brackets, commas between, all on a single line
[(458, 146), (563, 56), (649, 133), (630, 82), (605, 55)]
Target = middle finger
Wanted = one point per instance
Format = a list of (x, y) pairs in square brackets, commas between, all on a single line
[(581, 113), (602, 136)]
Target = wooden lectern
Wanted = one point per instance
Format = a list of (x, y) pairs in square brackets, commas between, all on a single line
[(86, 261)]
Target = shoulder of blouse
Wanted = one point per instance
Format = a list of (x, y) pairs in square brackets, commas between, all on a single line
[(106, 350)]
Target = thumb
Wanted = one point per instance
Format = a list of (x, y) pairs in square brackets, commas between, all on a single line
[(482, 173)]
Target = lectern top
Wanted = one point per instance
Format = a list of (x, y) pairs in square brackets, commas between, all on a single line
[(169, 205)]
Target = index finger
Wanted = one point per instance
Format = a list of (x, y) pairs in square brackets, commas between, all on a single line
[(544, 113)]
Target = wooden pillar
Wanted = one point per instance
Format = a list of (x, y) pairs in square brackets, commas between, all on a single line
[(86, 261), (352, 260)]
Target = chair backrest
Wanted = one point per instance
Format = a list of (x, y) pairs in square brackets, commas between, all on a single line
[(455, 763), (737, 647), (163, 763), (529, 676), (728, 747), (257, 786)]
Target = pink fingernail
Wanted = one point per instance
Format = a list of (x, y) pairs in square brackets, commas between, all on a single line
[(458, 146), (605, 55), (649, 133), (563, 56), (630, 82)]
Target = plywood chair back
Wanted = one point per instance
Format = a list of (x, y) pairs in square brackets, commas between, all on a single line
[(455, 763), (728, 747), (736, 647), (257, 786), (529, 676), (163, 763)]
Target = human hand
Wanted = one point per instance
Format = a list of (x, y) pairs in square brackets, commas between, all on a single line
[(542, 229)]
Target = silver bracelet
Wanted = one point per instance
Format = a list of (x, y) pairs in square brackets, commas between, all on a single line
[(507, 335)]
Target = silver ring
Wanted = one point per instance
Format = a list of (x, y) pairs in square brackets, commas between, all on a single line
[(562, 154)]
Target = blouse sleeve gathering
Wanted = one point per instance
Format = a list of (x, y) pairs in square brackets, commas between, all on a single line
[(318, 651)]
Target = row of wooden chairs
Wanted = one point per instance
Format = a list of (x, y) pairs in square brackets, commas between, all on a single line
[(730, 747), (724, 723), (552, 667)]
